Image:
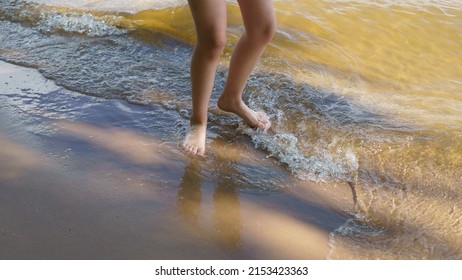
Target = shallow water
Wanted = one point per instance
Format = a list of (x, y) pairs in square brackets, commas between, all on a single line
[(367, 92), (84, 177)]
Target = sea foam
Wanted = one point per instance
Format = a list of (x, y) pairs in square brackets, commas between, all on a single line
[(131, 6), (77, 23)]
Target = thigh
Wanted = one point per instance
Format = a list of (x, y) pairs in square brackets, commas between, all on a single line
[(209, 17), (257, 13)]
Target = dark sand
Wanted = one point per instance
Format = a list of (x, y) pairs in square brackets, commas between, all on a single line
[(95, 186)]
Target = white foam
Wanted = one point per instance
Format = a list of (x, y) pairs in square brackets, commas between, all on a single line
[(320, 168), (130, 6), (77, 23)]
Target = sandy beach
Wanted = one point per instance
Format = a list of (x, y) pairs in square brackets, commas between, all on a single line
[(80, 180)]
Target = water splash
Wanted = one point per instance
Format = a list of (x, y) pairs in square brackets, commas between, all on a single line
[(283, 147)]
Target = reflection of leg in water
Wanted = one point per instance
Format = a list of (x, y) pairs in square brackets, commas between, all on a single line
[(189, 193), (226, 203), (227, 214)]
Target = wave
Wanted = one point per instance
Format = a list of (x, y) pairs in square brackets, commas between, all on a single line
[(135, 6), (441, 4), (132, 6), (79, 23), (322, 168), (49, 20)]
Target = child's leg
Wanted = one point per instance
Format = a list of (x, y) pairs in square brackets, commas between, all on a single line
[(210, 21), (260, 25)]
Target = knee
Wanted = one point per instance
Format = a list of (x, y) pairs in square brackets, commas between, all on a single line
[(213, 44), (268, 31), (217, 44), (263, 32)]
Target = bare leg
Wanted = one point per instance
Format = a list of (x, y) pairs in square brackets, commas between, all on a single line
[(260, 24), (210, 21)]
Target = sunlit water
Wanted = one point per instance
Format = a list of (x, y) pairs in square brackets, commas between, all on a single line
[(368, 92)]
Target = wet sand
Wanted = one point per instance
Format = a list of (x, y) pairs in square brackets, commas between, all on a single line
[(79, 179)]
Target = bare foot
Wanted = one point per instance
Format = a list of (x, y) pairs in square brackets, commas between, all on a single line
[(194, 142), (257, 120)]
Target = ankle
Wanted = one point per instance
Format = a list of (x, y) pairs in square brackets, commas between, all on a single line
[(226, 102), (198, 122)]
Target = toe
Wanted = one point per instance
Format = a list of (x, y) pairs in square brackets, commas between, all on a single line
[(263, 121), (201, 152), (263, 127), (262, 117)]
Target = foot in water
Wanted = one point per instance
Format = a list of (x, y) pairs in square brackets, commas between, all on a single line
[(258, 120), (194, 142)]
